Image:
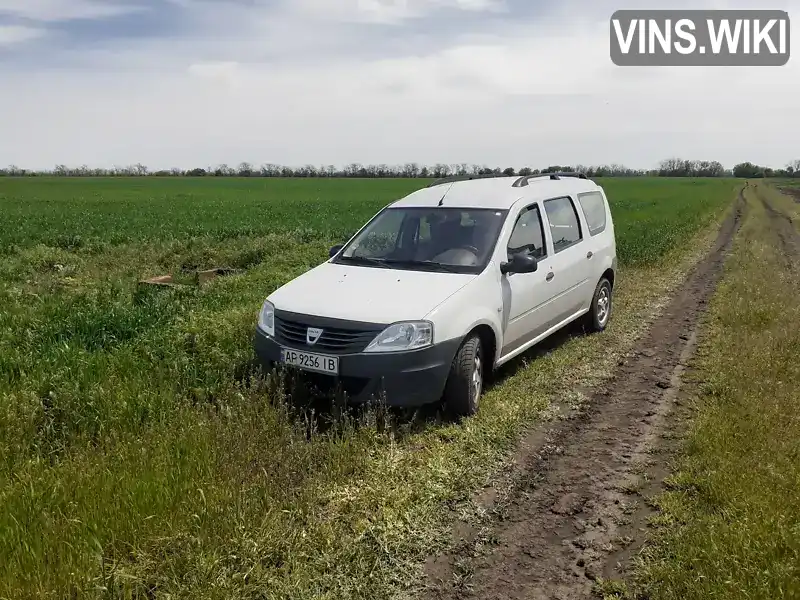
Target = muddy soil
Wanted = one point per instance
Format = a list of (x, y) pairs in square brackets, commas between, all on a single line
[(788, 236), (793, 192), (576, 508)]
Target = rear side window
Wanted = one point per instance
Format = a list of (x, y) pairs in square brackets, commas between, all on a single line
[(528, 234), (594, 209), (565, 226)]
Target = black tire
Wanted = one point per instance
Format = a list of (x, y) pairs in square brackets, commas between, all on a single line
[(463, 389), (600, 312)]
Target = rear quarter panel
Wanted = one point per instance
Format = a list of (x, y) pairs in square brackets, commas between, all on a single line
[(604, 244)]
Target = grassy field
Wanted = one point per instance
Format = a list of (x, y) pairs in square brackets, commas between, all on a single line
[(137, 463), (729, 526)]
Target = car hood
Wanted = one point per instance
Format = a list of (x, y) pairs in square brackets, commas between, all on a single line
[(367, 294)]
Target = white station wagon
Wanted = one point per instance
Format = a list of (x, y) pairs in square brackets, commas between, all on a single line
[(444, 285)]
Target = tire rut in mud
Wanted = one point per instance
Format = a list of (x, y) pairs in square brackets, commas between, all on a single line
[(788, 236), (559, 530)]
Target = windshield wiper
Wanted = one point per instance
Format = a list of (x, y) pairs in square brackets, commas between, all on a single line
[(423, 263), (363, 260)]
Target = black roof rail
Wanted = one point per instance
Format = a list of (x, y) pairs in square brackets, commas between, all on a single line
[(455, 178), (523, 181), (519, 182)]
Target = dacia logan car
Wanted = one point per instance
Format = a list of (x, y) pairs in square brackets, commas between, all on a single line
[(444, 285)]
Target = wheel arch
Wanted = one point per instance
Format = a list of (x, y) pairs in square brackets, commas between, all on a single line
[(489, 342), (610, 275)]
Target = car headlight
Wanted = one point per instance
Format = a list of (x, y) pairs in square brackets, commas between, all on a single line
[(403, 336), (266, 318)]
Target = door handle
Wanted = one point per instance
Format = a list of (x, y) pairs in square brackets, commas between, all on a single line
[(589, 254), (549, 276)]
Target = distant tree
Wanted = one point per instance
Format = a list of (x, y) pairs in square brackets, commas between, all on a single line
[(671, 167), (715, 169), (748, 170), (441, 170), (270, 170), (411, 170)]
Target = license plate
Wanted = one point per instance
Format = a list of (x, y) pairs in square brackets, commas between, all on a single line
[(310, 362)]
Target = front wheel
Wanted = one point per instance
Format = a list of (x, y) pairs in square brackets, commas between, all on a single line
[(600, 311), (465, 381)]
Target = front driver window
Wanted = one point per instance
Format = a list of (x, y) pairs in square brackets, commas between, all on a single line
[(528, 234)]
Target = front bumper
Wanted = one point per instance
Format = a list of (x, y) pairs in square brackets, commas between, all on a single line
[(403, 379)]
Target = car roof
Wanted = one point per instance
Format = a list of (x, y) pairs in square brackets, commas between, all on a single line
[(494, 192)]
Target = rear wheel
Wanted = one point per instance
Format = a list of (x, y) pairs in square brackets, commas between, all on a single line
[(600, 311), (465, 381)]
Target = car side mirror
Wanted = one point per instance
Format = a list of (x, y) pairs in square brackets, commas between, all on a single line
[(335, 250), (519, 263)]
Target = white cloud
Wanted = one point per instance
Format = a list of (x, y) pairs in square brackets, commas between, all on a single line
[(16, 34), (536, 93), (386, 11), (63, 10)]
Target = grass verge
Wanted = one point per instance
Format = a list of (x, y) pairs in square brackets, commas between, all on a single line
[(729, 523)]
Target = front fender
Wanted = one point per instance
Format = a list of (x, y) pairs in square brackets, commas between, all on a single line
[(478, 303)]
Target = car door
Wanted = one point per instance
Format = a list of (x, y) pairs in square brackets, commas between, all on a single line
[(571, 257), (600, 249), (527, 307)]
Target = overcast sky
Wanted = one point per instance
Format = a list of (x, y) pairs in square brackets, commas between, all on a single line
[(185, 83)]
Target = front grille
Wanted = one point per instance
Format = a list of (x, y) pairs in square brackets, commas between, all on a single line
[(338, 337)]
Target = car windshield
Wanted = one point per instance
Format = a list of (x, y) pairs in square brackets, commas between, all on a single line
[(442, 239)]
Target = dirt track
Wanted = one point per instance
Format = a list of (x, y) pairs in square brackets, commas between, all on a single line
[(562, 526), (787, 234)]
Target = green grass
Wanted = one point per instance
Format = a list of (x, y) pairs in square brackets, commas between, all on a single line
[(729, 527), (651, 215), (73, 213), (136, 462)]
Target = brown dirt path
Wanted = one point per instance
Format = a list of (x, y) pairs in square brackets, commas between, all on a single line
[(788, 237), (565, 522)]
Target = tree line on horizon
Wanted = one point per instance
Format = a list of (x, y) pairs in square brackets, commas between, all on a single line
[(672, 167)]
